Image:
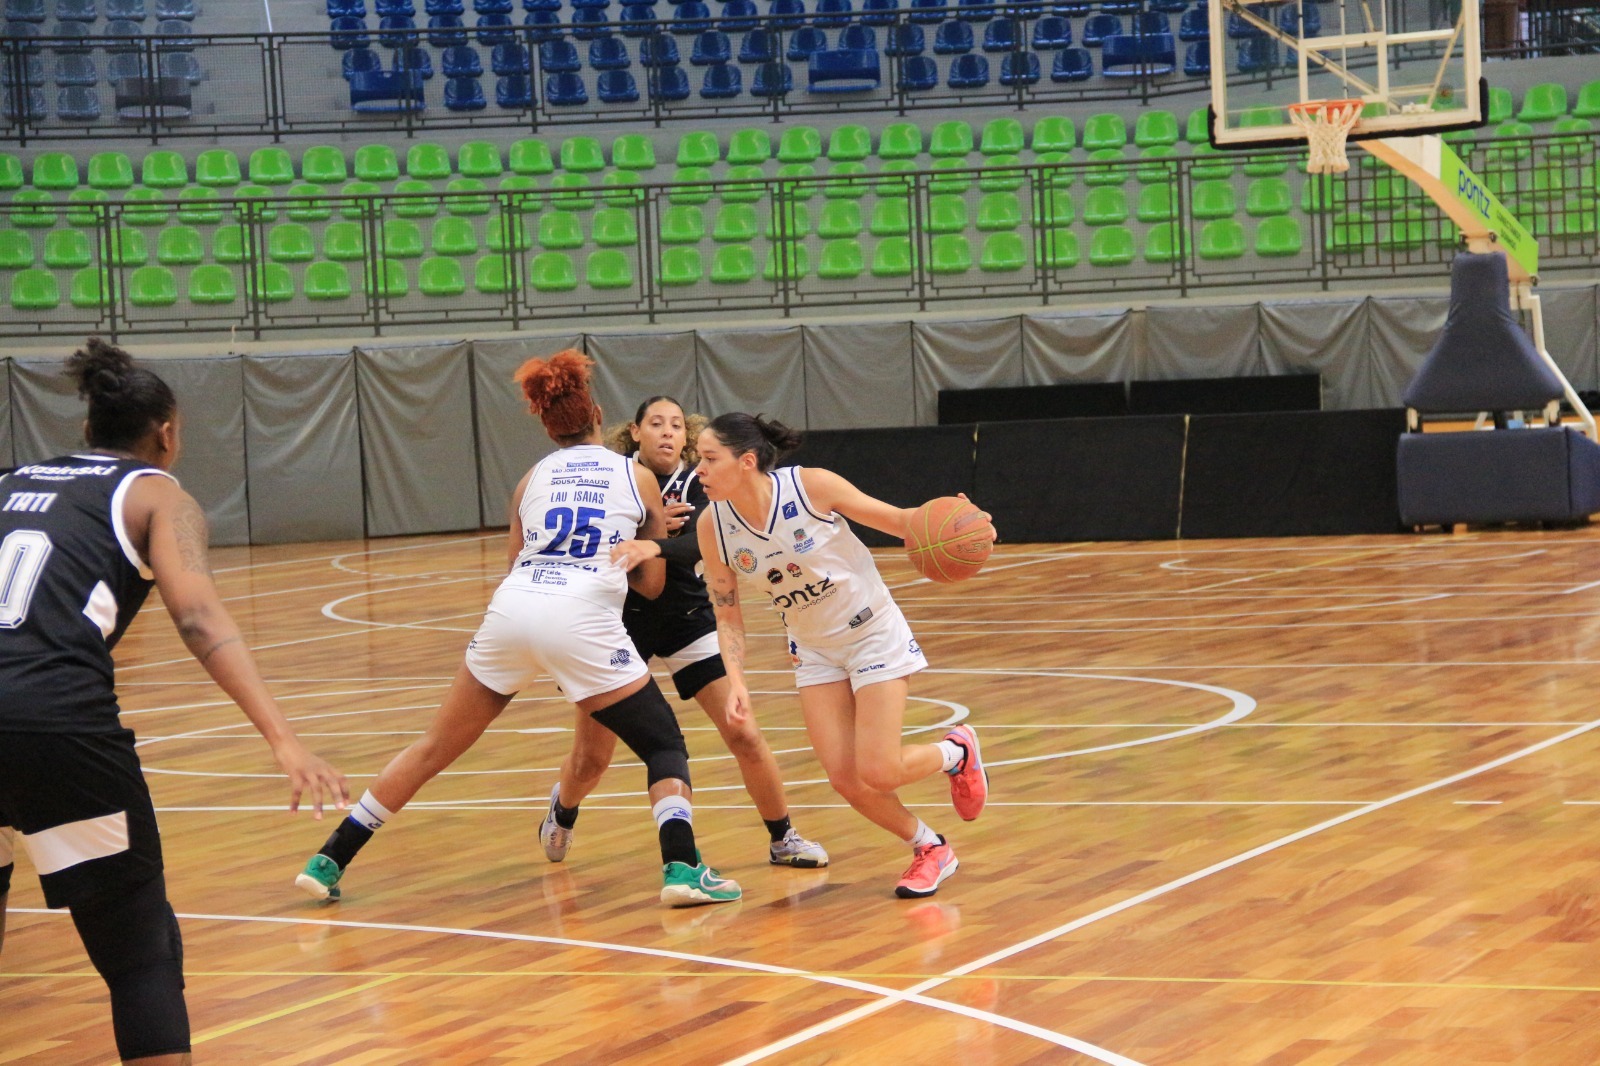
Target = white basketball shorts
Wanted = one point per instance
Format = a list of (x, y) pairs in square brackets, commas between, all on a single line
[(579, 643), (883, 652)]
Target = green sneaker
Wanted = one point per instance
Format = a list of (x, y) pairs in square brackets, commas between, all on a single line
[(320, 879), (690, 886)]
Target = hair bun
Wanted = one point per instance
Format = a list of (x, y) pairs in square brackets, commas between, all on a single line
[(100, 369)]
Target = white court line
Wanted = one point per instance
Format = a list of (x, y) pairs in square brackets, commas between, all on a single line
[(842, 1020), (244, 567), (1177, 565), (1580, 588), (543, 804)]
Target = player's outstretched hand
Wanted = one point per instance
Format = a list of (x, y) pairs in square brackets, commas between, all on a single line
[(309, 774), (987, 517), (630, 553), (678, 514), (738, 708)]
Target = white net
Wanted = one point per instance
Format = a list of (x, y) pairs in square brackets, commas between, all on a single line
[(1326, 124)]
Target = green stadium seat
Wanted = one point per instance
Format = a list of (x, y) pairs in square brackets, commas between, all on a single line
[(841, 260), (786, 260), (559, 231), (900, 140), (1268, 196), (1544, 103), (633, 151), (1053, 207), (749, 147), (891, 180), (67, 249), (682, 224), (110, 170), (441, 276), (1110, 167), (1111, 246), (799, 144), (999, 211), (32, 209), (1575, 218), (736, 224), (491, 275), (463, 206), (892, 258), (950, 254), (327, 281), (324, 164), (136, 214), (620, 185), (427, 161), (1278, 237), (1322, 193), (951, 140), (1352, 231), (1574, 145), (1056, 172), (152, 286), (521, 194), (344, 241), (749, 191), (1197, 130), (530, 157), (1054, 133), (1003, 253), (614, 227), (1001, 136), (418, 199), (510, 233), (1501, 104), (377, 163), (10, 172), (996, 178), (55, 170), (389, 280), (199, 207), (553, 272), (1105, 206), (946, 214), (260, 203), (479, 159), (1549, 182), (890, 218), (839, 218), (846, 181), (80, 206), (608, 268), (453, 237), (797, 183), (698, 148), (91, 289), (1213, 199), (950, 183), (1588, 106), (733, 264), (305, 203), (1156, 204), (1266, 165), (402, 239), (1210, 164), (210, 285), (681, 266), (126, 248), (850, 144), (179, 245), (1163, 243), (1404, 230), (582, 155), (16, 250), (229, 244), (571, 191), (1222, 238), (1104, 131), (35, 290), (271, 165), (1511, 143), (1155, 127), (1156, 164), (795, 219), (217, 168), (273, 284), (290, 242)]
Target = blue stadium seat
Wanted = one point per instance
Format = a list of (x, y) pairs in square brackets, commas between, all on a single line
[(739, 16), (858, 38), (394, 9), (969, 72), (386, 91), (446, 31), (492, 7), (1172, 7), (1289, 24), (77, 10), (32, 72), (1194, 26), (443, 7), (414, 57), (541, 5), (786, 14), (668, 84), (1098, 27), (952, 39), (772, 79), (1072, 64), (81, 32), (597, 5), (496, 29), (78, 103), (565, 90), (17, 104), (832, 13), (510, 59), (904, 40), (609, 53), (132, 10), (879, 12), (461, 62), (126, 65), (559, 57), (758, 46), (180, 65), (76, 70), (397, 31), (804, 42), (1126, 56), (691, 17), (24, 11), (928, 11), (1239, 29), (1051, 32), (1120, 7), (183, 10), (464, 94), (1257, 55), (120, 35), (543, 26), (919, 74), (1020, 68), (711, 47), (658, 50), (514, 92), (1000, 36), (1151, 24), (975, 10), (1197, 60), (617, 87), (346, 32), (638, 20), (1071, 9), (175, 33), (844, 70), (359, 60), (721, 82), (347, 9), (589, 23)]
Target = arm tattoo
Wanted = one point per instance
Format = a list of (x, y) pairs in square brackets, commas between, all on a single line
[(725, 599), (731, 641), (189, 527), (219, 645)]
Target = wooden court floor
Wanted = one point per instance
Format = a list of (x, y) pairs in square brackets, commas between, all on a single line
[(1311, 801)]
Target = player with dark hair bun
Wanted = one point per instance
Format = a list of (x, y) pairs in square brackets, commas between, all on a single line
[(559, 611), (851, 647), (83, 538)]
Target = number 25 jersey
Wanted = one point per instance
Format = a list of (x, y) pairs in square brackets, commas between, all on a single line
[(579, 502)]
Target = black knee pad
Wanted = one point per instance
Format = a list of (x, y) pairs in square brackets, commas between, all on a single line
[(133, 941), (5, 877), (645, 723), (696, 676)]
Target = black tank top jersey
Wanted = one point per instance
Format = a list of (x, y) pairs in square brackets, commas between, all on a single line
[(682, 612), (70, 582)]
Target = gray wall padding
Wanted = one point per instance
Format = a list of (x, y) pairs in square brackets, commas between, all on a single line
[(1402, 332), (1569, 333), (859, 375), (1326, 336), (1068, 348), (974, 354), (5, 413), (761, 371), (1189, 341), (630, 367), (510, 440), (211, 466), (303, 448), (46, 415)]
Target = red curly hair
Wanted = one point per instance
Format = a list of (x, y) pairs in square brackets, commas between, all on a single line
[(558, 393)]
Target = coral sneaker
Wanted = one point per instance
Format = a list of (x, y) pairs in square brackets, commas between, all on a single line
[(969, 781), (930, 865)]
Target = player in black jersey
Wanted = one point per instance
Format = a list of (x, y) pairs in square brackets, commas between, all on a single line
[(680, 629), (82, 539)]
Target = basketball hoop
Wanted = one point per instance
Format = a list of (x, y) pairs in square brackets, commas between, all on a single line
[(1326, 124)]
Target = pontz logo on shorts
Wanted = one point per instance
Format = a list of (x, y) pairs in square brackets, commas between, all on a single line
[(774, 576), (745, 560)]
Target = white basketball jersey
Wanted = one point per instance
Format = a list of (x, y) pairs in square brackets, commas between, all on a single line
[(579, 502), (818, 574)]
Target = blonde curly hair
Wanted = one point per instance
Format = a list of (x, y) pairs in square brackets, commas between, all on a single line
[(620, 440)]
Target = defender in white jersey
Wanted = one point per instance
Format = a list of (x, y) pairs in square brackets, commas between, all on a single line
[(786, 530), (558, 611)]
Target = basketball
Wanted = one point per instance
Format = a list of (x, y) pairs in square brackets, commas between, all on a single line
[(948, 539)]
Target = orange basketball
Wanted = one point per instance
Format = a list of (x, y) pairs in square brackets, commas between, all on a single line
[(948, 539)]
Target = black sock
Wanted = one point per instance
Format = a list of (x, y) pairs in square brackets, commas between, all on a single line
[(778, 827), (677, 842), (566, 817), (346, 840)]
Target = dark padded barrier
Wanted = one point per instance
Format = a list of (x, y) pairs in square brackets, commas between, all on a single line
[(901, 466), (1287, 474), (1226, 396), (1082, 478), (1032, 402), (1512, 475)]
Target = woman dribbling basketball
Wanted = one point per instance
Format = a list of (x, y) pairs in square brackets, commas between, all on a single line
[(851, 647)]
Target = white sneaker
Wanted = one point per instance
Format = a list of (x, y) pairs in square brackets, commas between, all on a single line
[(555, 839), (796, 850)]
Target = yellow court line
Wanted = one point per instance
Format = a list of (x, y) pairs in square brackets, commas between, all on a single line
[(387, 976), (228, 1030)]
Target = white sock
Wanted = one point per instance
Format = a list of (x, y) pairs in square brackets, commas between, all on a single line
[(925, 836), (953, 755), (369, 813), (672, 807)]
